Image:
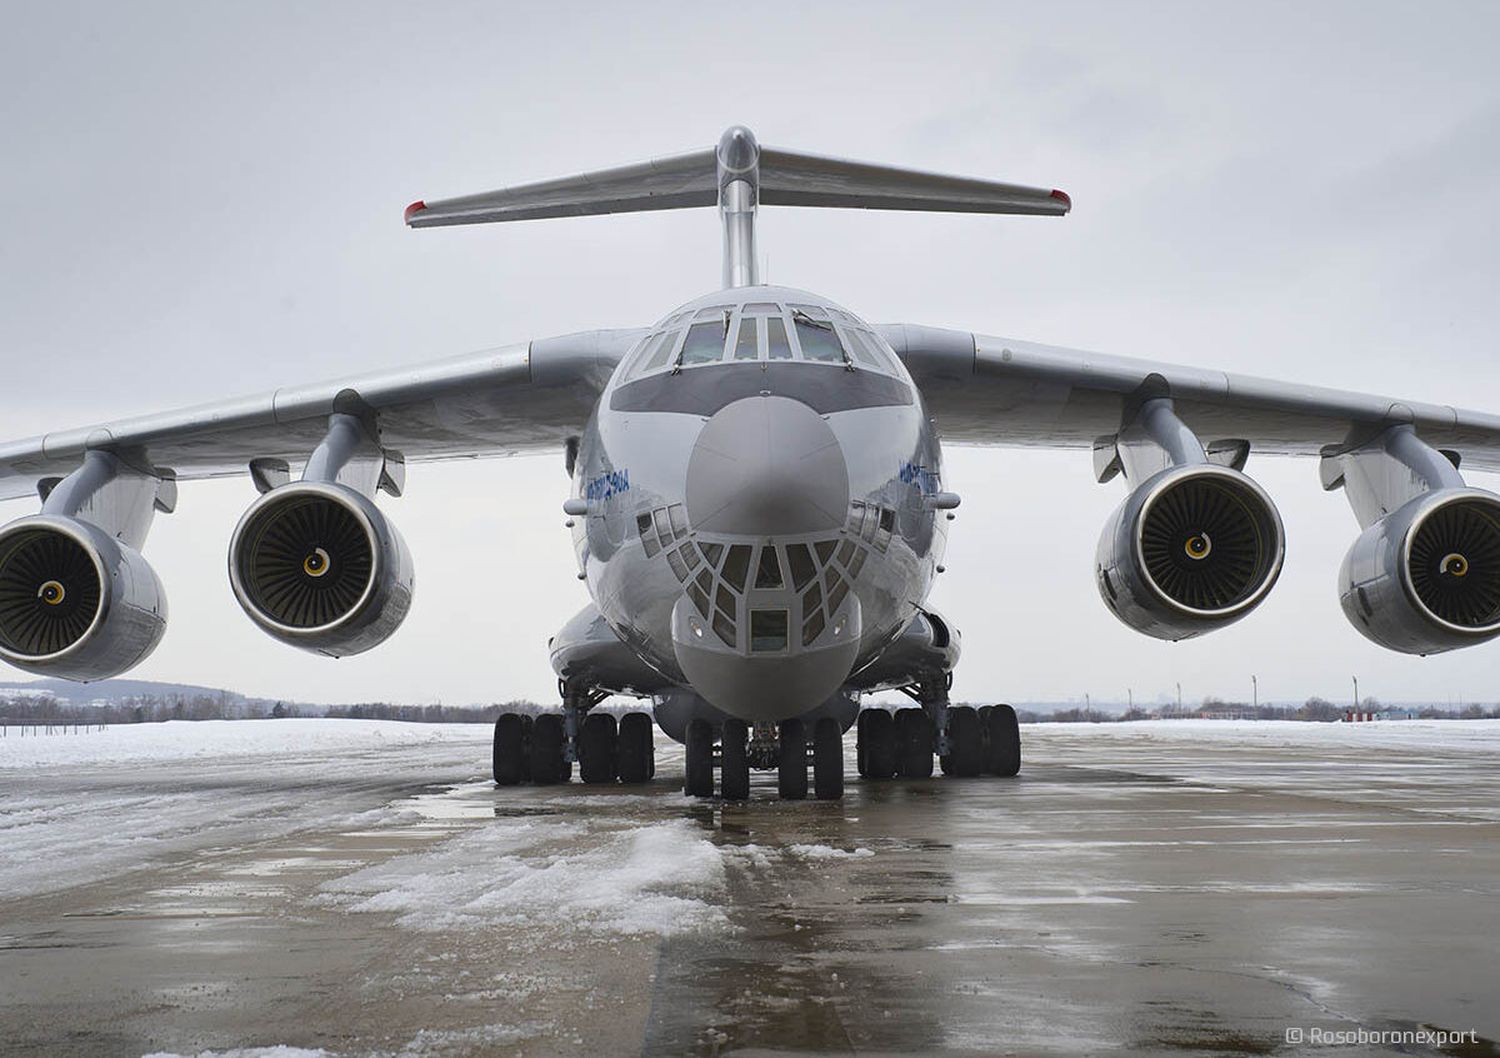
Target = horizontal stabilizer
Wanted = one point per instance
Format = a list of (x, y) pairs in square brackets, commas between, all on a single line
[(791, 179), (779, 178), (662, 183)]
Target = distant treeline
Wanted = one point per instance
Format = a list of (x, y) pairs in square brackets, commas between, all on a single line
[(154, 709), (1314, 709), (148, 709)]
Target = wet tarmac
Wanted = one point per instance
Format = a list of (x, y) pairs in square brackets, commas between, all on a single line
[(1125, 895)]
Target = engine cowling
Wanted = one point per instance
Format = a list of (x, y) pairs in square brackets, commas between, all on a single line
[(319, 567), (1426, 577), (1192, 549), (75, 602)]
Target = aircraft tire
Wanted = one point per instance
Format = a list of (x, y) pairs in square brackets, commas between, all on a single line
[(637, 755), (698, 761), (547, 764), (510, 751), (598, 749), (828, 760), (913, 743), (791, 769), (861, 742), (1003, 742), (734, 763), (965, 756), (879, 738)]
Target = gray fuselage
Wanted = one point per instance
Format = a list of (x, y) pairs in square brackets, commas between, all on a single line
[(758, 477)]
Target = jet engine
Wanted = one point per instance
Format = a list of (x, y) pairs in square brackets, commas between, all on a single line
[(75, 602), (1192, 549), (1426, 577), (318, 566)]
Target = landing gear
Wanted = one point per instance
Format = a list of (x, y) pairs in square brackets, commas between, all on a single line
[(549, 763), (1002, 751), (914, 739), (637, 756), (828, 760), (967, 741), (734, 761), (791, 769), (511, 762), (699, 759), (876, 744), (598, 749), (965, 756)]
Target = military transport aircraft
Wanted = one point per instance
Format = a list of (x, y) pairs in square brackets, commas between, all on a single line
[(757, 500)]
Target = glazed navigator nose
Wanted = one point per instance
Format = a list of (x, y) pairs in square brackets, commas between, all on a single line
[(767, 466)]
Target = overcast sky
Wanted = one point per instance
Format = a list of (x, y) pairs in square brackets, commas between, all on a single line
[(203, 200)]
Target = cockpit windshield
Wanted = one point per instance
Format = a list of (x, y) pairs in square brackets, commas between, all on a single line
[(760, 331)]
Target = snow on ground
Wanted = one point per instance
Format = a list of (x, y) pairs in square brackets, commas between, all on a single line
[(78, 808), (181, 740), (552, 878), (280, 1051), (1477, 735)]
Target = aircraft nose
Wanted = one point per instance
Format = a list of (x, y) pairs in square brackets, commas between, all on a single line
[(767, 466)]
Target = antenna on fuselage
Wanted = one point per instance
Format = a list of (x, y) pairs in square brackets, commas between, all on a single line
[(739, 176)]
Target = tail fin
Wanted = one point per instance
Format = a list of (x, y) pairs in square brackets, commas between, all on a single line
[(738, 176)]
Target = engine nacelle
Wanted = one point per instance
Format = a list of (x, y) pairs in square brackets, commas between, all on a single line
[(75, 602), (1426, 578), (318, 566), (1194, 548)]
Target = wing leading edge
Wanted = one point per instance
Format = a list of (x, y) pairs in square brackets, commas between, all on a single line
[(518, 398), (987, 390)]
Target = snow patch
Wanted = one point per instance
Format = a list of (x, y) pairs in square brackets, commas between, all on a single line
[(656, 879), (183, 740), (279, 1051), (828, 852)]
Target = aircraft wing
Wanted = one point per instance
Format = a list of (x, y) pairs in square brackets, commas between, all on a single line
[(518, 398), (986, 390)]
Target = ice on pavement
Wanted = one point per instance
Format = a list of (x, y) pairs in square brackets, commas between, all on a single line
[(554, 877)]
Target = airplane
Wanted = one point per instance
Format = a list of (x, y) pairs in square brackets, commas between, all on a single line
[(757, 501)]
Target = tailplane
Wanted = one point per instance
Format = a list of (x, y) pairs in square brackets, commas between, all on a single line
[(738, 176)]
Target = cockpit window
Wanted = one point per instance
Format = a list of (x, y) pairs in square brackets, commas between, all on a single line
[(880, 351), (705, 339), (862, 350), (760, 330), (817, 338), (747, 340), (661, 352), (777, 346)]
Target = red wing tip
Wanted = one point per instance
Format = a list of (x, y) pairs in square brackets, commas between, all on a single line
[(1062, 196), (418, 206)]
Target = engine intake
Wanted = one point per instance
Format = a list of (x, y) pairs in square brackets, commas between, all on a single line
[(1192, 549), (75, 602), (318, 566), (1426, 578)]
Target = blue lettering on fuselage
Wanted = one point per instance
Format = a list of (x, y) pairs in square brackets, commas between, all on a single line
[(916, 474), (610, 483)]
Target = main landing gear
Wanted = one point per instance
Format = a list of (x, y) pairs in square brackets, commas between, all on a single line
[(543, 749), (786, 747), (967, 741)]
